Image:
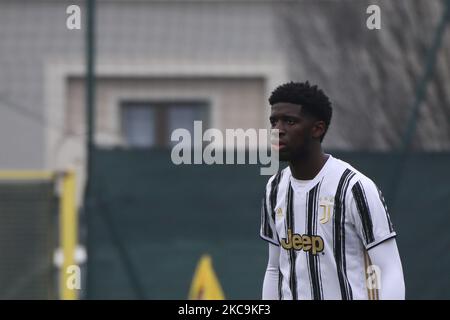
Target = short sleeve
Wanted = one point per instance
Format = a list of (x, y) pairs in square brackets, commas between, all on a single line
[(268, 229), (370, 214)]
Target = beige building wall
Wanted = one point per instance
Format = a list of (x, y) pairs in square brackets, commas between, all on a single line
[(233, 103)]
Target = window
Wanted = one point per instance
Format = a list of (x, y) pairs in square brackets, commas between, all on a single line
[(150, 124)]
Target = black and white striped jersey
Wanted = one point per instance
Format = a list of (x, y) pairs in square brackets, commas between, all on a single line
[(324, 231)]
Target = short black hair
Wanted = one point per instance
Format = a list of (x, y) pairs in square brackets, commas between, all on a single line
[(312, 99)]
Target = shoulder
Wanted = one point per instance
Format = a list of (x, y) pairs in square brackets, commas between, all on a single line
[(354, 176), (280, 177), (359, 183)]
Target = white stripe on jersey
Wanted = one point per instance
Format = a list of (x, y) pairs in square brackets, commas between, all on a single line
[(324, 230)]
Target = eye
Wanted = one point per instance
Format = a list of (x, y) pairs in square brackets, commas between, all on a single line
[(290, 122), (272, 122)]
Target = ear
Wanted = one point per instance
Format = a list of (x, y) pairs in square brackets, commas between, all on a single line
[(318, 129)]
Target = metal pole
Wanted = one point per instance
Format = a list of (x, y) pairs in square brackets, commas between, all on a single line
[(90, 128)]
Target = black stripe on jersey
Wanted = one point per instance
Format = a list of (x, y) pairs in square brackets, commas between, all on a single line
[(317, 257), (307, 219), (263, 217), (280, 284), (311, 218), (267, 229), (290, 223), (391, 227), (339, 234), (274, 192), (320, 277), (268, 232), (364, 212)]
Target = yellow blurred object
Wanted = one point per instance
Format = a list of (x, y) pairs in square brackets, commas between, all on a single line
[(205, 285), (26, 175), (68, 232)]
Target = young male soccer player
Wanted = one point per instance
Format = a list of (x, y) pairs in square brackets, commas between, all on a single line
[(328, 228)]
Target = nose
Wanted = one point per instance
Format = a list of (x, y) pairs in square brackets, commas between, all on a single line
[(277, 133), (280, 127)]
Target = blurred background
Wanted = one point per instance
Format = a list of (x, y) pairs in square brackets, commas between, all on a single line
[(86, 116)]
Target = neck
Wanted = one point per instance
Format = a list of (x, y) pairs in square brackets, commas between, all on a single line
[(308, 166)]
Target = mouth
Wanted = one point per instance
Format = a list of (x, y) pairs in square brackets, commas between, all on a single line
[(278, 145)]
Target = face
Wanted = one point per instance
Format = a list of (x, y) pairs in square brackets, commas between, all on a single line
[(298, 131)]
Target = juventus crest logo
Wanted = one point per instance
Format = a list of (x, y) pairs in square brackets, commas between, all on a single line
[(326, 205), (279, 212)]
